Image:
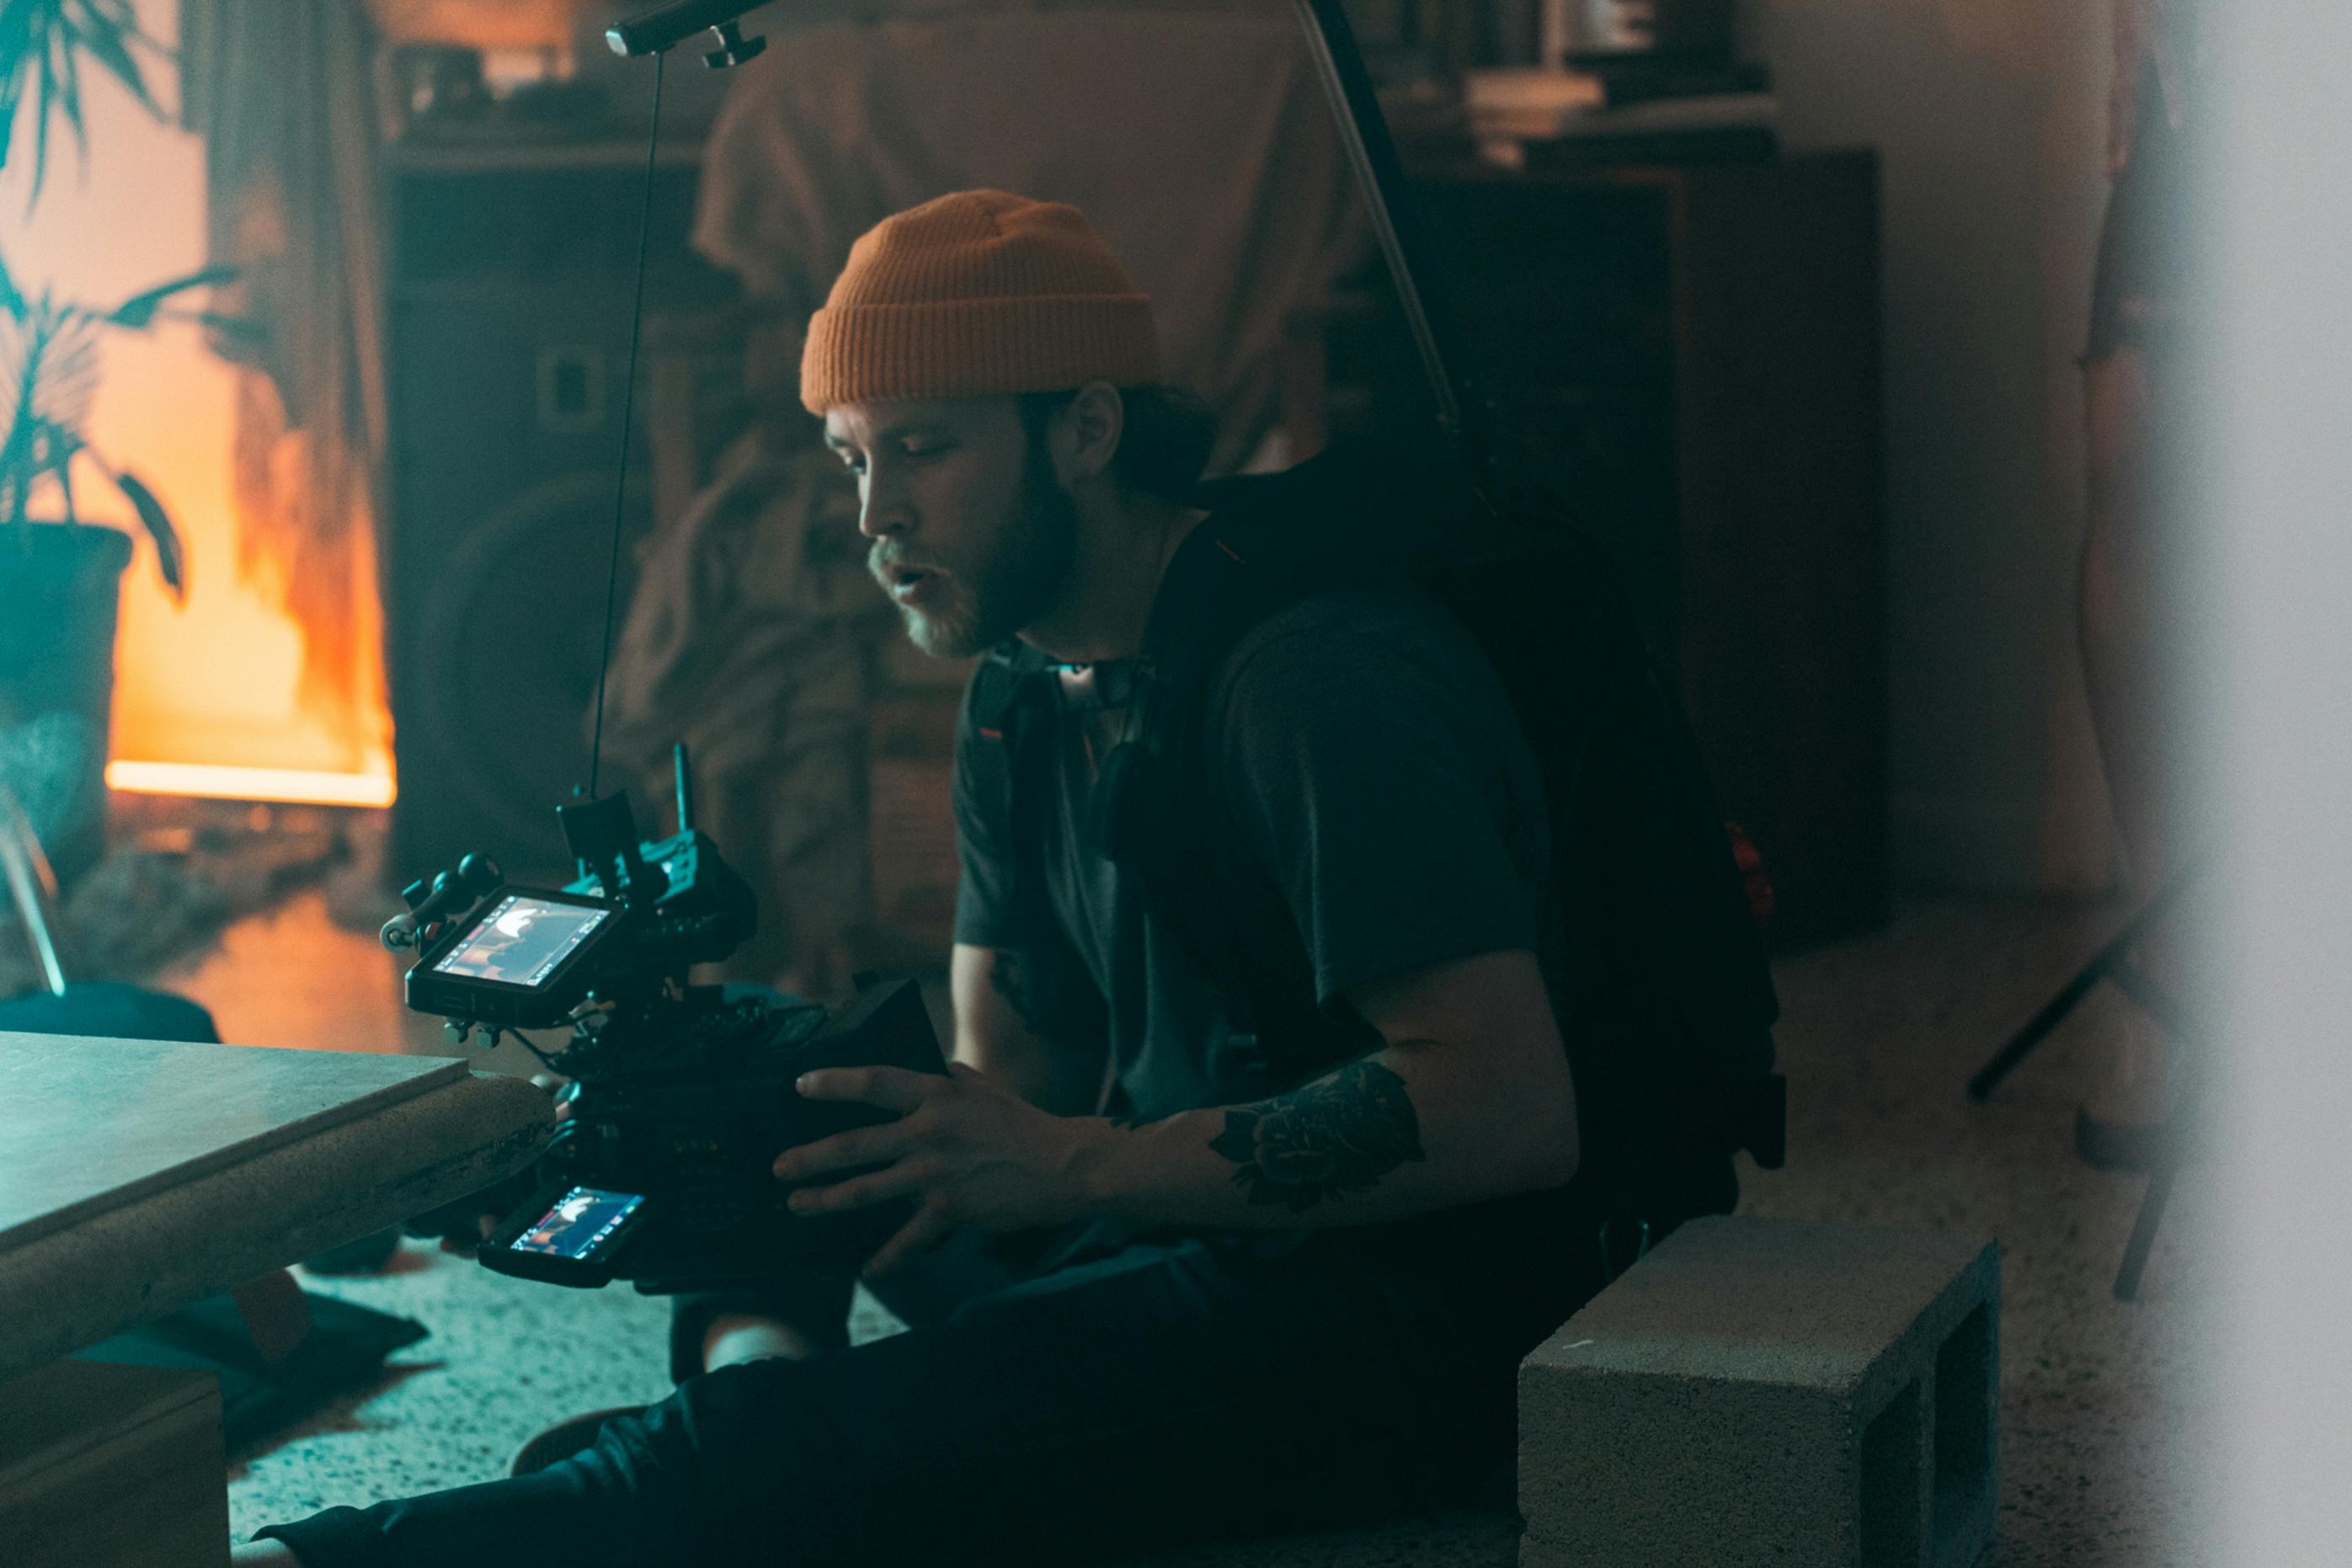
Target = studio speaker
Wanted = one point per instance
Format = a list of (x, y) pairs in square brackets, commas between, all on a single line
[(508, 319)]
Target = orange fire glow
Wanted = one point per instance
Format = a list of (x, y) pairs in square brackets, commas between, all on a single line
[(220, 695), (209, 696), (215, 783)]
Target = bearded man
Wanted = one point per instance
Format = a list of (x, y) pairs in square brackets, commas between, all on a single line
[(1156, 1291)]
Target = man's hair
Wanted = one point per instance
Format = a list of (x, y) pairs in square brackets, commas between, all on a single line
[(1162, 448)]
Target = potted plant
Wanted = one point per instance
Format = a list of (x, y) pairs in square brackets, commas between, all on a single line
[(59, 573)]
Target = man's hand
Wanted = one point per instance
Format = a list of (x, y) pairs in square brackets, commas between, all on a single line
[(560, 1090), (967, 1152)]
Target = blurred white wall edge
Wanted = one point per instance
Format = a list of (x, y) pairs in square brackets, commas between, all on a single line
[(2281, 805)]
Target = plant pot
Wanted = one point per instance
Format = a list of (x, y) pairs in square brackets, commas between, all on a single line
[(60, 586)]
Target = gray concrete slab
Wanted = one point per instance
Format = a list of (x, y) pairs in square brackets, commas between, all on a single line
[(219, 1165), (95, 1124)]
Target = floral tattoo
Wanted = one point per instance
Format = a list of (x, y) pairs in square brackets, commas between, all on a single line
[(1335, 1136)]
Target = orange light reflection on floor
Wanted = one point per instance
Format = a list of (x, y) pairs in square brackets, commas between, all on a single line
[(214, 781)]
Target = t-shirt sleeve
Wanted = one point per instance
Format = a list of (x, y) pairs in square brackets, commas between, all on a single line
[(1378, 771)]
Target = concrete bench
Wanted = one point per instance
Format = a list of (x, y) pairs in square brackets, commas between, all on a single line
[(1770, 1392), (139, 1175), (142, 1174)]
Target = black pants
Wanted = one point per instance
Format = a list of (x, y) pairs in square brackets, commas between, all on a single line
[(1116, 1395)]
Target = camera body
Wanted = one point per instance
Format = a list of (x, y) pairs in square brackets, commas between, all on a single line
[(698, 1142), (680, 1095)]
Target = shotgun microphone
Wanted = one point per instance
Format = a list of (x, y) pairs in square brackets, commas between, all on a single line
[(665, 27)]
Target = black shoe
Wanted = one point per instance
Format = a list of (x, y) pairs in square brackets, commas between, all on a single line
[(368, 1255)]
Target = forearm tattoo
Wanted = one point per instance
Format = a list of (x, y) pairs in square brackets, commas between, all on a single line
[(1335, 1136), (1011, 978)]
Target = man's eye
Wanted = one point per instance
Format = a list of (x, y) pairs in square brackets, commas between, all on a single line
[(924, 454)]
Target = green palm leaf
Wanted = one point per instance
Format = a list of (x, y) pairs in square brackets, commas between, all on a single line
[(106, 29), (138, 312), (42, 43), (157, 523)]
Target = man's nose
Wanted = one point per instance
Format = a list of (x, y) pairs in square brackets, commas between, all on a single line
[(883, 509)]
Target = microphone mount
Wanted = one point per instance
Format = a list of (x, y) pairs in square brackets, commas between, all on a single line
[(666, 27)]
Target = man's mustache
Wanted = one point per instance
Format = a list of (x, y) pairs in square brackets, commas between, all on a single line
[(881, 561)]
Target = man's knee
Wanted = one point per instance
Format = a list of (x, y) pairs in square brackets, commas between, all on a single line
[(732, 1463), (735, 1338), (792, 1318)]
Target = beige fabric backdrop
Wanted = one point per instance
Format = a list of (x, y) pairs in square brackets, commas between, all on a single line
[(1199, 145)]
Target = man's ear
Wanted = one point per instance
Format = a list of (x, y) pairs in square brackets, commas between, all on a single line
[(1093, 421)]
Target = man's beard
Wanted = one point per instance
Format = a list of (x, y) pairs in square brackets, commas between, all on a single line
[(981, 604)]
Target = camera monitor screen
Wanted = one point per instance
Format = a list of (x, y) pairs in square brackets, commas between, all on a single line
[(578, 1223), (522, 940)]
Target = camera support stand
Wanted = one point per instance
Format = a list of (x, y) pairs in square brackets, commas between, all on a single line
[(2189, 1098), (2113, 962)]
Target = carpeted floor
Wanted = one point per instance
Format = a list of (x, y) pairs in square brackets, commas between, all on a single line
[(2101, 1412), (2101, 1421)]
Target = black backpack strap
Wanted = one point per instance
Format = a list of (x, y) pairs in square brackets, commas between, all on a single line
[(1225, 576), (1002, 688), (995, 705), (1154, 810)]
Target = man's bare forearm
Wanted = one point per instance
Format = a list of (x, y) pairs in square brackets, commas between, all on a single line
[(1415, 1127), (1052, 1075)]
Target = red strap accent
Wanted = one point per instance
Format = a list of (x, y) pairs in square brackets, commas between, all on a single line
[(991, 735), (1751, 861)]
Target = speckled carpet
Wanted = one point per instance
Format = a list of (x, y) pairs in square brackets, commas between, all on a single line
[(2101, 1408)]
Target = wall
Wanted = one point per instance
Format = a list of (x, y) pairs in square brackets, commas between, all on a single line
[(1989, 120)]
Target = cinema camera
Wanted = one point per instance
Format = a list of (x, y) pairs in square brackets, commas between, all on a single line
[(682, 1095)]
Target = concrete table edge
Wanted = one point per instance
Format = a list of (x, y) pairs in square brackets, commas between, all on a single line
[(431, 1071), (133, 1263)]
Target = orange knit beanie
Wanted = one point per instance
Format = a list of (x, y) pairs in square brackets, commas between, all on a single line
[(973, 295)]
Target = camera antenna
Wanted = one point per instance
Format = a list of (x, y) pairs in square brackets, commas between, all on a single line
[(628, 415), (654, 33)]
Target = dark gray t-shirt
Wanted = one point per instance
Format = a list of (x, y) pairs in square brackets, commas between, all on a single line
[(1368, 757)]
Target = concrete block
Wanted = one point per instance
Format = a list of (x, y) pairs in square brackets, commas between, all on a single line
[(1770, 1392), (106, 1466)]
